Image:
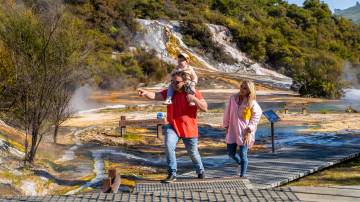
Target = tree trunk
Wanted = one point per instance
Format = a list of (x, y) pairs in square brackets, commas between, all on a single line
[(26, 147), (56, 130), (34, 138)]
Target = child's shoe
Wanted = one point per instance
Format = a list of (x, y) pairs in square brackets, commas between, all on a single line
[(167, 101), (192, 103)]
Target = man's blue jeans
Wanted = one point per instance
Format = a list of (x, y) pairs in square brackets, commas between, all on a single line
[(241, 159), (191, 145)]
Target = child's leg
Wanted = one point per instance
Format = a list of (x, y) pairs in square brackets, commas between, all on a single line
[(170, 93), (192, 87)]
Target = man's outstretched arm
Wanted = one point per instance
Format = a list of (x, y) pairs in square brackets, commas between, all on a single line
[(150, 95)]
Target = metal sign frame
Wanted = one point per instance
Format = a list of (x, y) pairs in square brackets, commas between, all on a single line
[(272, 117)]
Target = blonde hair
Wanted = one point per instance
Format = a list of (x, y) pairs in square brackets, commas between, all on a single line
[(252, 91)]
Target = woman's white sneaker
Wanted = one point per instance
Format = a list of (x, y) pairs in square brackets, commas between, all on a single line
[(238, 170)]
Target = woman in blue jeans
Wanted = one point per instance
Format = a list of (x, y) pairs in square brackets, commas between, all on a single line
[(241, 116)]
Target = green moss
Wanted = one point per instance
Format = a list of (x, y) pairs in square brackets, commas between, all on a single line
[(57, 167), (64, 190), (87, 189), (14, 144), (15, 180), (88, 177), (324, 111), (133, 137), (173, 46)]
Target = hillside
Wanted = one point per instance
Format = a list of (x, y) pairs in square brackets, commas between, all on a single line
[(352, 13), (307, 44), (167, 41)]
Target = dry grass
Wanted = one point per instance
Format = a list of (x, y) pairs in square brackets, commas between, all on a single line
[(345, 174), (132, 137)]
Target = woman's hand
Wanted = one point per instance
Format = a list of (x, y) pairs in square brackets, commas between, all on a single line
[(247, 138), (247, 130)]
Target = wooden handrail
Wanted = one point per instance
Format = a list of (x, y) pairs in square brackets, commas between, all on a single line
[(142, 123)]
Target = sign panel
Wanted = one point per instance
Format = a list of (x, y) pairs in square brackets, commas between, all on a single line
[(271, 116)]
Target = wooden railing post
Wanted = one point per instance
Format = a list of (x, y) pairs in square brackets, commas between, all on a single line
[(106, 185), (112, 183), (112, 174), (286, 111), (159, 130), (122, 125), (303, 109)]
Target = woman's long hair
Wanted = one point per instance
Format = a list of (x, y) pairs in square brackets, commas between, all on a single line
[(252, 92)]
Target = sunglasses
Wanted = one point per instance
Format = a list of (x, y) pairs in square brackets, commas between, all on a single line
[(176, 82), (244, 87)]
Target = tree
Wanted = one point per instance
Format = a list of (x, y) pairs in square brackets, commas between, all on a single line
[(43, 52), (60, 110)]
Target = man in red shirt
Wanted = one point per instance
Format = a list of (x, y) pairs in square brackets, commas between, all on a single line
[(182, 124)]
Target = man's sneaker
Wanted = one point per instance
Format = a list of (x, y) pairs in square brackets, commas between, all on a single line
[(170, 178), (201, 176), (167, 101)]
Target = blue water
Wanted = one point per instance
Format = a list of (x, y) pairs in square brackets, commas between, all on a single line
[(334, 106), (272, 105), (281, 131), (291, 135), (284, 135)]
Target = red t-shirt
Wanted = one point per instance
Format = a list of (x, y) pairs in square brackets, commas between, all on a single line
[(181, 116)]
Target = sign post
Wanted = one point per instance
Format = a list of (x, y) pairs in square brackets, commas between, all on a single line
[(272, 117), (272, 137)]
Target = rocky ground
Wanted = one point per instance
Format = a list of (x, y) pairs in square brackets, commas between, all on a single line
[(89, 143)]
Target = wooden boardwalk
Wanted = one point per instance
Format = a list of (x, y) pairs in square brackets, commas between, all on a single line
[(196, 185), (215, 195), (319, 194), (267, 170)]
